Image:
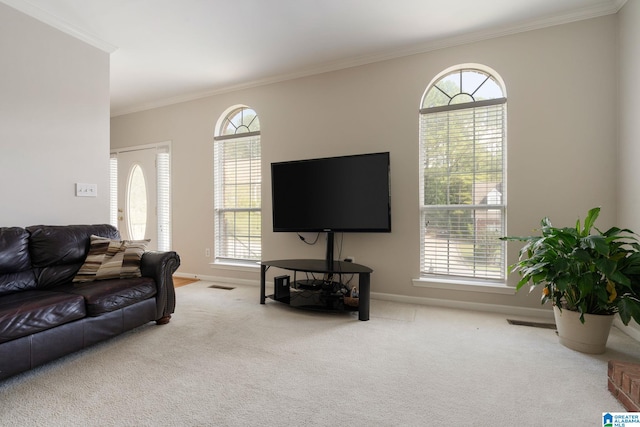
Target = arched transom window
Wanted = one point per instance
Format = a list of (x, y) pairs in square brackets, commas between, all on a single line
[(462, 175), (238, 182)]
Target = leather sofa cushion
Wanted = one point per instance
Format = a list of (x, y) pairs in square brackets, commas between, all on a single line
[(103, 296), (25, 313), (58, 251), (15, 262)]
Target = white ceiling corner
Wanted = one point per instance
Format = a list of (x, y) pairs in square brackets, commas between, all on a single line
[(42, 15)]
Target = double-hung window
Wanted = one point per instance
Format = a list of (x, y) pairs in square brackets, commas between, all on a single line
[(237, 187), (462, 176)]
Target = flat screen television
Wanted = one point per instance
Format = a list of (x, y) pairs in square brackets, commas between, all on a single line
[(332, 194)]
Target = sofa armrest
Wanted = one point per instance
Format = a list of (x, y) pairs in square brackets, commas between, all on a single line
[(160, 266)]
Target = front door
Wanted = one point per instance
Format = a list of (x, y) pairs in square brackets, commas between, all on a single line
[(137, 195)]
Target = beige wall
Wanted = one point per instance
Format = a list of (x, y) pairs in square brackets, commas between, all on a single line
[(629, 116), (54, 124), (628, 113), (561, 88)]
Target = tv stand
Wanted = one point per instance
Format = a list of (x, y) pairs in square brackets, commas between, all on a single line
[(324, 267), (329, 256)]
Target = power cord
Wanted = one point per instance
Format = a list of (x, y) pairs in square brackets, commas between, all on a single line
[(301, 237)]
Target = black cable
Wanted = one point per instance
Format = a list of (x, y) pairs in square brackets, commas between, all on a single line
[(301, 237)]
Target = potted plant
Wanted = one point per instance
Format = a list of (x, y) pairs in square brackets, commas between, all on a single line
[(588, 277)]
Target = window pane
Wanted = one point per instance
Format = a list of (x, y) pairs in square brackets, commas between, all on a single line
[(242, 120), (434, 98), (450, 84), (489, 90), (463, 243), (137, 203), (460, 87)]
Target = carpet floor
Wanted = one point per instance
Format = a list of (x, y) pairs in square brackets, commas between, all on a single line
[(226, 360)]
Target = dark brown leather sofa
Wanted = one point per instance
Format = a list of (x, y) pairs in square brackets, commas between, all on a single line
[(43, 315)]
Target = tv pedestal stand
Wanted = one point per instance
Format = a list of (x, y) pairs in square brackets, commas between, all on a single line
[(322, 266)]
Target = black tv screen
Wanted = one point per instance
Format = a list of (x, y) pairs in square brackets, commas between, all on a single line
[(343, 194)]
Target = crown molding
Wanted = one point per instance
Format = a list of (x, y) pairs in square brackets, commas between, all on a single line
[(55, 22), (612, 7)]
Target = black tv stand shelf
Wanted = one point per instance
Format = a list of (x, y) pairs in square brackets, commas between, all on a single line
[(318, 296)]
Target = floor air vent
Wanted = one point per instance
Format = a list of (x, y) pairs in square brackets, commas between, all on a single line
[(532, 324), (226, 288)]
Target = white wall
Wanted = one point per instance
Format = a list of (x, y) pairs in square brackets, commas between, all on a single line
[(54, 124), (561, 88)]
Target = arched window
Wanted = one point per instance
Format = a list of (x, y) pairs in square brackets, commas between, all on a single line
[(237, 187), (462, 175)]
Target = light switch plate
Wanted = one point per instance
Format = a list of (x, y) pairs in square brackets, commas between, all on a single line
[(86, 190)]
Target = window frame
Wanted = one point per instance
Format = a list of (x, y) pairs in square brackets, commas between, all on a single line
[(233, 130), (447, 105)]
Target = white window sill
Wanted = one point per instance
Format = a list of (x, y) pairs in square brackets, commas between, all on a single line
[(236, 266), (464, 285)]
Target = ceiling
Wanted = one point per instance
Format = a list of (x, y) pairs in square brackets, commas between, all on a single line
[(167, 51)]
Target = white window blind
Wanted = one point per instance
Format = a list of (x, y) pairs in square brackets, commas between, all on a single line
[(113, 190), (238, 214), (163, 171), (463, 190)]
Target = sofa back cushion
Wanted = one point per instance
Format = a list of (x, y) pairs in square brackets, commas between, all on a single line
[(15, 263), (58, 251)]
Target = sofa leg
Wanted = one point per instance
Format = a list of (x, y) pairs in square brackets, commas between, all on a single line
[(163, 320)]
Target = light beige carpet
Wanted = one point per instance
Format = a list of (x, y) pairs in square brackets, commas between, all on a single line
[(226, 360)]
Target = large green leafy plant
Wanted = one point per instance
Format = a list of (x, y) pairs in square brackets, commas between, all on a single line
[(592, 273)]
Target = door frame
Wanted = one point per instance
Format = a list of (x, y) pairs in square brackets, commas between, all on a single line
[(113, 203)]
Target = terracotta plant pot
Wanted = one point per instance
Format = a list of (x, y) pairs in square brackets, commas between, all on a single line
[(588, 337)]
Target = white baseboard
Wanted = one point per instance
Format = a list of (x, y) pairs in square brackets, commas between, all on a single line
[(633, 330), (538, 313)]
